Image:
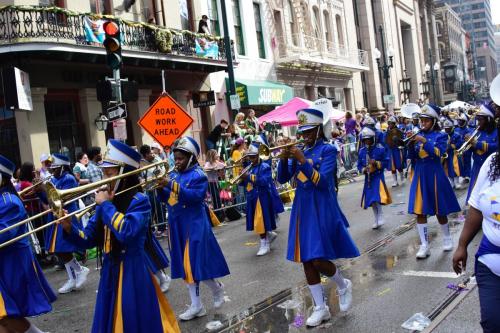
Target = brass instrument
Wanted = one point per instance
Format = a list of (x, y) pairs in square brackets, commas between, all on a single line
[(407, 140), (27, 191), (265, 151), (468, 144), (237, 179), (394, 137), (59, 198), (368, 167)]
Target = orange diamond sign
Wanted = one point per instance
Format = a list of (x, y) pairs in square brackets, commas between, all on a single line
[(165, 120)]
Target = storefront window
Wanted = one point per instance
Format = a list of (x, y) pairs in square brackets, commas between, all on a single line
[(65, 130), (9, 146)]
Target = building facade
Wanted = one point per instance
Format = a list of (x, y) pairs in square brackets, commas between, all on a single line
[(64, 64)]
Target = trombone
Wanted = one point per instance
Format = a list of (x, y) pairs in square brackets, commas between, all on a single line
[(59, 198), (265, 152), (468, 143), (237, 179), (29, 189)]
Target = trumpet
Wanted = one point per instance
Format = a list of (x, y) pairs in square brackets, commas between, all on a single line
[(237, 179), (265, 152), (407, 140), (468, 143), (59, 195)]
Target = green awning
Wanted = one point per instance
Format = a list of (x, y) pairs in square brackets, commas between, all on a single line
[(262, 92)]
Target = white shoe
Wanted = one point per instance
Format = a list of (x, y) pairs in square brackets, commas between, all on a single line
[(345, 296), (271, 236), (395, 185), (219, 296), (375, 225), (193, 312), (423, 252), (319, 315), (264, 249), (381, 221), (81, 277), (165, 284), (68, 287), (447, 244)]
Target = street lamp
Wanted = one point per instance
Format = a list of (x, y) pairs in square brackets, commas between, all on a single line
[(432, 74), (101, 122), (405, 87), (385, 66)]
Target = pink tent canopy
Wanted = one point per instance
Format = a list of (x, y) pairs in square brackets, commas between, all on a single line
[(285, 114)]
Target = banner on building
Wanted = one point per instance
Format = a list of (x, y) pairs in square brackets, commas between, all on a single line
[(17, 89), (206, 49), (94, 32)]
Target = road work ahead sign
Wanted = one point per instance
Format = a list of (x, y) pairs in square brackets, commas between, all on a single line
[(165, 120)]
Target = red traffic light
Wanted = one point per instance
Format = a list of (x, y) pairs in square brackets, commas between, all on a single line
[(111, 28)]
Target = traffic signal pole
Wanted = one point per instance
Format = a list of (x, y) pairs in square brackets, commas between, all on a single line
[(117, 85), (229, 57)]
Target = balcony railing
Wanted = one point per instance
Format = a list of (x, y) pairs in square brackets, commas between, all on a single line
[(298, 46), (21, 24)]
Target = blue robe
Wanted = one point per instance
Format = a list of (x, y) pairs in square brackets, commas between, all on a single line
[(453, 166), (486, 145), (465, 159), (376, 190), (129, 298), (54, 240), (260, 212), (318, 228), (396, 156), (275, 196), (430, 191), (195, 254), (24, 291), (156, 257)]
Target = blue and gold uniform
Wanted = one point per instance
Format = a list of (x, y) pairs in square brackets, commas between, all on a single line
[(318, 228), (129, 298), (375, 190), (453, 166), (195, 254), (430, 191), (24, 291)]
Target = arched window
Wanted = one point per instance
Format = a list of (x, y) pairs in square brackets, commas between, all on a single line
[(316, 23), (291, 25), (340, 30), (328, 29)]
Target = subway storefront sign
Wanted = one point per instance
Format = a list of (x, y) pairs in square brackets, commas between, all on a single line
[(262, 92)]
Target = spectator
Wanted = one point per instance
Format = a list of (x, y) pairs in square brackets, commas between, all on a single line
[(237, 153), (239, 125), (94, 173), (217, 133), (212, 167), (156, 149), (80, 168), (203, 27), (159, 213), (350, 127), (383, 123), (46, 161), (252, 123)]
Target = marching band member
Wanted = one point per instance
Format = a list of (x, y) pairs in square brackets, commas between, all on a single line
[(396, 155), (63, 179), (195, 254), (371, 162), (318, 228), (260, 213), (24, 292), (430, 191), (128, 298), (415, 122), (157, 260), (465, 159), (485, 144), (452, 164)]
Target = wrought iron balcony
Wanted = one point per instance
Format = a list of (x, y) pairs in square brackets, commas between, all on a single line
[(20, 25), (300, 49)]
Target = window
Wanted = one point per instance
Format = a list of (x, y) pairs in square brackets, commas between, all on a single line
[(48, 3), (100, 6), (214, 17), (291, 28), (328, 29), (258, 30), (238, 29), (9, 145), (340, 34), (316, 23), (439, 28)]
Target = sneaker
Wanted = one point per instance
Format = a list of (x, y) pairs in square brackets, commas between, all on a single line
[(345, 296), (264, 249), (447, 244), (381, 221), (375, 225), (193, 312), (165, 284), (81, 277), (423, 252), (319, 315), (219, 296), (395, 185), (59, 267), (68, 287), (271, 236)]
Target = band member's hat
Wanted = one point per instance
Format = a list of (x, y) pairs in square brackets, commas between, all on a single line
[(189, 145), (367, 133), (447, 124), (59, 160), (261, 138), (486, 110), (120, 154), (6, 166), (392, 119), (253, 149), (430, 111), (318, 114), (369, 121)]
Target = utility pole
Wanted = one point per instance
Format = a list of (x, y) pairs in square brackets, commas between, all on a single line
[(229, 57)]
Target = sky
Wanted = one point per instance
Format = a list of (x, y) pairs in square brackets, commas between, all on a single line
[(495, 8)]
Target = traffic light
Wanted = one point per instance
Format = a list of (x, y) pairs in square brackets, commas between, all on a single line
[(112, 45)]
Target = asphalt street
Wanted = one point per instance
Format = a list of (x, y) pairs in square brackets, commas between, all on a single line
[(268, 294)]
